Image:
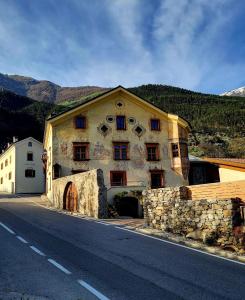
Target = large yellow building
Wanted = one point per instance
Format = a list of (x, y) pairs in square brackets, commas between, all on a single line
[(136, 144)]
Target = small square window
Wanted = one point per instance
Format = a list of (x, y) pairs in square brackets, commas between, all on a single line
[(29, 173), (29, 144), (118, 178), (80, 122), (30, 156), (121, 124), (155, 124)]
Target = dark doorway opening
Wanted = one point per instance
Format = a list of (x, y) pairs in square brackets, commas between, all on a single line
[(128, 207), (70, 199)]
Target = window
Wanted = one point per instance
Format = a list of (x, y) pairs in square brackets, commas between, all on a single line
[(1, 166), (175, 149), (29, 173), (157, 179), (118, 178), (152, 152), (10, 175), (6, 163), (29, 144), (1, 180), (121, 124), (80, 122), (120, 151), (155, 124), (30, 156), (10, 159), (80, 151)]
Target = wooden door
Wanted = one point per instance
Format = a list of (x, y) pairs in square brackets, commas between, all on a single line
[(71, 197)]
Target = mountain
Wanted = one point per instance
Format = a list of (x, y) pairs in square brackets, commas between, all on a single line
[(43, 90), (240, 92), (22, 117)]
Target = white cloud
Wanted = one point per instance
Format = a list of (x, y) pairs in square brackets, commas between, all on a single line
[(110, 42)]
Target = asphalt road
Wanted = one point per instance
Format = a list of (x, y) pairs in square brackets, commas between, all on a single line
[(58, 256)]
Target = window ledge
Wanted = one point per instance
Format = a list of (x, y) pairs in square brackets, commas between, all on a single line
[(121, 159), (86, 159), (153, 159)]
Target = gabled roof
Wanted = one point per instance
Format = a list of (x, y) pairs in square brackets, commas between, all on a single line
[(17, 143), (116, 89), (168, 116)]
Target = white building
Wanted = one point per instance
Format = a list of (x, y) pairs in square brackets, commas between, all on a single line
[(21, 169)]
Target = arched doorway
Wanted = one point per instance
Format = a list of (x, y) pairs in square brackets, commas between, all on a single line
[(128, 206), (70, 200)]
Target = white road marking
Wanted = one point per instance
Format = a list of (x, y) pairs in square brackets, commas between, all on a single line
[(182, 246), (57, 265), (106, 224), (7, 228), (21, 239), (37, 251), (92, 290)]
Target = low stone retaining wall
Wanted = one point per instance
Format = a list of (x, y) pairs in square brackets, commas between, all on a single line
[(90, 189), (167, 209)]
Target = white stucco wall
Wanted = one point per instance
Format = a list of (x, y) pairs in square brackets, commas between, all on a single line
[(8, 185), (17, 166), (230, 175), (29, 184)]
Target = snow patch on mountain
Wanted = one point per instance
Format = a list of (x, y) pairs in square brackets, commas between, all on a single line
[(237, 92)]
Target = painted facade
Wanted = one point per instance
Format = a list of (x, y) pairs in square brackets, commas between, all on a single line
[(21, 169), (150, 148)]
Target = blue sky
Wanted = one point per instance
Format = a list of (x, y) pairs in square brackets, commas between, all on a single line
[(194, 44)]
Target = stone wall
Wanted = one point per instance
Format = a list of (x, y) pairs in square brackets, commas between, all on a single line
[(169, 210), (91, 192), (219, 190)]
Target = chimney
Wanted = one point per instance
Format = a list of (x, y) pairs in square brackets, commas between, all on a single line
[(15, 139), (8, 145)]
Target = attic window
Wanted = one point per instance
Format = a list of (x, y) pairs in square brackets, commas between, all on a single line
[(131, 120), (139, 130), (119, 104), (110, 119), (104, 129)]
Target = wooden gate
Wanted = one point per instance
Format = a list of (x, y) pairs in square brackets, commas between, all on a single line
[(70, 201)]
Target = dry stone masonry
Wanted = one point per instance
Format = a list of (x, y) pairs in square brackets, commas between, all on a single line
[(169, 209)]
